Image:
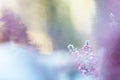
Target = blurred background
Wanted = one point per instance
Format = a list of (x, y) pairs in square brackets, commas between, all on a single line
[(53, 24), (49, 26)]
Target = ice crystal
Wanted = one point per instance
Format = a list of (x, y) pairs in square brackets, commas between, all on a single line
[(84, 59)]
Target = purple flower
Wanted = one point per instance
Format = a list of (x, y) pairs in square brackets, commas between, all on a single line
[(14, 29)]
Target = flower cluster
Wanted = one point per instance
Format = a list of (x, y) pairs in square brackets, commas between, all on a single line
[(84, 59)]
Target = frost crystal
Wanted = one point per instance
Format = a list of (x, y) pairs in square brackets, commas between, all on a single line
[(84, 59)]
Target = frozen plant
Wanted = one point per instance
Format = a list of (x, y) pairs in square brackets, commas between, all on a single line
[(84, 59)]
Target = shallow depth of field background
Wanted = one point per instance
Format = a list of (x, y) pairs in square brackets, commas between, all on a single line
[(51, 26)]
